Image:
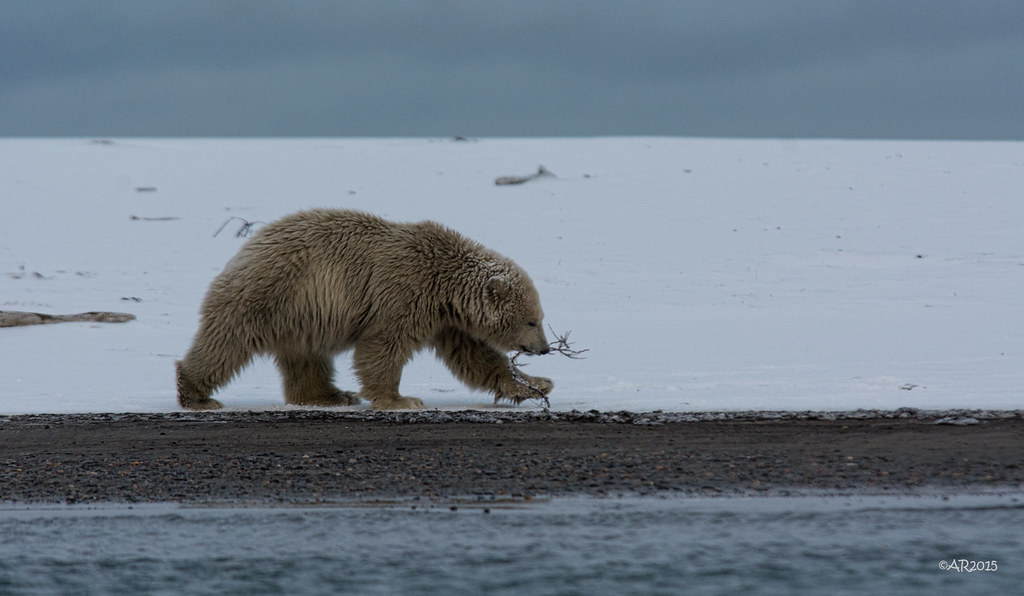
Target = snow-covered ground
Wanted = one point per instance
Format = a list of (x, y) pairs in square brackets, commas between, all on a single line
[(701, 274)]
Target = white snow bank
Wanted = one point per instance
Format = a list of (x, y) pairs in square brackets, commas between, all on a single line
[(701, 274)]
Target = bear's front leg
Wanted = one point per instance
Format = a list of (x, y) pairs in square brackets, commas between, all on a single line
[(481, 366), (378, 365)]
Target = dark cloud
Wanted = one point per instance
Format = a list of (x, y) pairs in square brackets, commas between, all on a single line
[(908, 69)]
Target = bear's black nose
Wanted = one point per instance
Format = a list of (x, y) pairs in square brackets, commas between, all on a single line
[(544, 350)]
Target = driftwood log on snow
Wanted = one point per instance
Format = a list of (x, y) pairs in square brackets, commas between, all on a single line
[(507, 180), (14, 318)]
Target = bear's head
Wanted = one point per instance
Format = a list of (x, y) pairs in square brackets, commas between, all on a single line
[(513, 316)]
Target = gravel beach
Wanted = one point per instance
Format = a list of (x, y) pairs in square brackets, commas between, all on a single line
[(320, 456)]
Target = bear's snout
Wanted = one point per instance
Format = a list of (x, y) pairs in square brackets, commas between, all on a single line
[(533, 341)]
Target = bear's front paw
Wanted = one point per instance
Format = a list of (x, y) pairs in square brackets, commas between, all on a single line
[(544, 384), (397, 403), (527, 388)]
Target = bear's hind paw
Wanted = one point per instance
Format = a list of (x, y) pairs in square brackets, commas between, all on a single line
[(207, 403), (339, 398), (329, 399), (347, 398)]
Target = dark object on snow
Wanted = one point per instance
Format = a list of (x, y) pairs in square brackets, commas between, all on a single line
[(14, 318), (507, 180)]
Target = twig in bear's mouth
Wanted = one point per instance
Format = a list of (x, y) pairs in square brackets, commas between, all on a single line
[(563, 347), (560, 345)]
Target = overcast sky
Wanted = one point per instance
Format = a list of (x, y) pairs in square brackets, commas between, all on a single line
[(747, 68)]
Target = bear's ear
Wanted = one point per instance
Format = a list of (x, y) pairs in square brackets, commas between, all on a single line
[(496, 289)]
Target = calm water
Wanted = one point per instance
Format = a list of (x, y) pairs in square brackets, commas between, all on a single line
[(635, 546)]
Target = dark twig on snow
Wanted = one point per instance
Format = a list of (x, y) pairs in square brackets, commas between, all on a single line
[(562, 346), (160, 218), (244, 231)]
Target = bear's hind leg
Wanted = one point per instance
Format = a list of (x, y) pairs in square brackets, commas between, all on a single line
[(220, 349), (208, 365), (308, 381), (193, 394)]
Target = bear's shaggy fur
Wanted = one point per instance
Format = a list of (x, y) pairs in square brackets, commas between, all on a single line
[(323, 281)]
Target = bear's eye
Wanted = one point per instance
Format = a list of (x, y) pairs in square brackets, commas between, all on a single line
[(532, 324)]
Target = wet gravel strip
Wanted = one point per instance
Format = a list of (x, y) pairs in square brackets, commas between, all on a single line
[(958, 416), (324, 456)]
